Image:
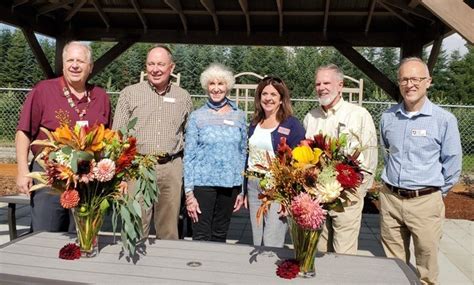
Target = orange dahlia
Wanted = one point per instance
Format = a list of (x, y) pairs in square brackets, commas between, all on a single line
[(69, 199)]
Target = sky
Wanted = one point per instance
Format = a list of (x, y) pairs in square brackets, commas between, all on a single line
[(451, 43)]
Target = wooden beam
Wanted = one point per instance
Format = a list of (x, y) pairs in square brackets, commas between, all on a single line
[(58, 60), (136, 6), (419, 13), (414, 3), (110, 55), (280, 16), (369, 17), (435, 49), (175, 5), (38, 52), (77, 5), (19, 18), (49, 8), (396, 14), (209, 5), (457, 14), (370, 70), (326, 15), (17, 3), (245, 8), (102, 14)]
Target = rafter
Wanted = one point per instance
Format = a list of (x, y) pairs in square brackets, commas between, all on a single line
[(245, 8), (209, 5), (280, 16), (176, 6), (414, 3), (17, 3), (412, 11), (326, 15), (102, 14), (140, 14), (49, 8), (396, 14), (369, 18), (110, 55), (78, 5)]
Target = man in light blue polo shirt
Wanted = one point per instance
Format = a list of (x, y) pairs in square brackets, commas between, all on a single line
[(422, 155)]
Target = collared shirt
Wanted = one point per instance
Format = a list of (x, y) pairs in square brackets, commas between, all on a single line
[(352, 120), (161, 119), (46, 101), (420, 150), (216, 148)]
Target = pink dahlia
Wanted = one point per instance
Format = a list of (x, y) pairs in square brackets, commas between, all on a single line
[(69, 199), (105, 170), (307, 212)]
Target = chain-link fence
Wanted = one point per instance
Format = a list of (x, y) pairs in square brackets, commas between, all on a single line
[(11, 100)]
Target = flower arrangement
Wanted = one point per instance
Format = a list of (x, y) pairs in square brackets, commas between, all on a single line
[(307, 181), (89, 168), (310, 179)]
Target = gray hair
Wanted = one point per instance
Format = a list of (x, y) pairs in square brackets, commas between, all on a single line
[(217, 71), (86, 47), (166, 48), (333, 67), (413, 58)]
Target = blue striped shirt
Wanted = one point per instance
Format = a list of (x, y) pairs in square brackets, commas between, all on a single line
[(422, 150), (215, 148)]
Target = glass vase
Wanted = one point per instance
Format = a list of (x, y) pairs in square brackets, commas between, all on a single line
[(88, 224), (305, 243)]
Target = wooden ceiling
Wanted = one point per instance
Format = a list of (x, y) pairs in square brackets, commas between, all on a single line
[(377, 23)]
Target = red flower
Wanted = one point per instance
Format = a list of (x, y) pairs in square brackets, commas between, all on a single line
[(320, 142), (69, 199), (127, 156), (347, 176), (284, 151), (288, 269), (70, 252)]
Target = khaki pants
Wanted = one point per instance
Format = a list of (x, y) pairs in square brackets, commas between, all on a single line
[(420, 218), (170, 181), (341, 230)]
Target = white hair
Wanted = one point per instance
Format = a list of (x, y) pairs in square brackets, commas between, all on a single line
[(86, 47), (413, 58), (217, 71)]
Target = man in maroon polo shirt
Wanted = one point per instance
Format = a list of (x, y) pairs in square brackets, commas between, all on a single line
[(68, 95)]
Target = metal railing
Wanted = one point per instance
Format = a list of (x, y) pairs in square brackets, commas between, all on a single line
[(11, 100)]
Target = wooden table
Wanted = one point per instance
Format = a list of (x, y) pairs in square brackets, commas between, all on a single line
[(34, 259)]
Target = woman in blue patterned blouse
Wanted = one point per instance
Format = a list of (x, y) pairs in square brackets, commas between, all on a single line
[(272, 120), (214, 157)]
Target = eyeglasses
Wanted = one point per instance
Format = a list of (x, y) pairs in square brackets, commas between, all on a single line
[(414, 80), (272, 78)]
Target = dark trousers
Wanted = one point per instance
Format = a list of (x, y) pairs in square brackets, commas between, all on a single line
[(217, 205), (47, 214)]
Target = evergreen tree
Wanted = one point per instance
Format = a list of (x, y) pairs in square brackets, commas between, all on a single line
[(5, 44)]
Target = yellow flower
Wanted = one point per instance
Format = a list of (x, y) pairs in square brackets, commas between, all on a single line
[(304, 155)]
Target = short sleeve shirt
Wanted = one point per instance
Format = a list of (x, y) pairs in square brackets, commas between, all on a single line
[(46, 100)]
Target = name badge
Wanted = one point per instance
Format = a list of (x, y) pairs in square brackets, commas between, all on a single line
[(227, 122), (418, 133), (169, 100), (284, 131), (82, 123)]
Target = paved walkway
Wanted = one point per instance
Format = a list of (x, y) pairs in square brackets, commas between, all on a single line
[(456, 257)]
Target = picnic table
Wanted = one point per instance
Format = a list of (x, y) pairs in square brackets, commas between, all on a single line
[(33, 259)]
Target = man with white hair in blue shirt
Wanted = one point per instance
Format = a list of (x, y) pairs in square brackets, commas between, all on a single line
[(423, 156)]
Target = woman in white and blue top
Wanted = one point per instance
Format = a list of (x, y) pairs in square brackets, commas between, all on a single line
[(272, 120), (214, 158)]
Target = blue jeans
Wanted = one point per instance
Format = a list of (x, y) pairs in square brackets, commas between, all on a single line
[(272, 228)]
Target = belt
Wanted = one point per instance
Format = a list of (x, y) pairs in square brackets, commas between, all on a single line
[(162, 159), (406, 193)]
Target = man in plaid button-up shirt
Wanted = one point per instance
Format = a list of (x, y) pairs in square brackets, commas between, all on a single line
[(162, 110)]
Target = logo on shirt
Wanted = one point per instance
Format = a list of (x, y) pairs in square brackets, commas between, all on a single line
[(418, 133)]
